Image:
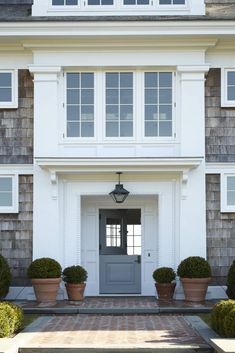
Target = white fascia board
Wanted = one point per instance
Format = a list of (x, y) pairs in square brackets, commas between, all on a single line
[(219, 168), (18, 169), (107, 29), (111, 164)]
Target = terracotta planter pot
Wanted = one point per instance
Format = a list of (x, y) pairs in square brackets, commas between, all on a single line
[(75, 291), (165, 291), (46, 289), (195, 288)]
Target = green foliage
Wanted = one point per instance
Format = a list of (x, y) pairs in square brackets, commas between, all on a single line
[(219, 313), (5, 277), (74, 274), (194, 267), (229, 324), (11, 319), (231, 282), (44, 268), (164, 275)]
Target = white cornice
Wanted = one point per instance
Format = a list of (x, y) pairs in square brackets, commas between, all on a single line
[(115, 164), (112, 28), (218, 168), (20, 169)]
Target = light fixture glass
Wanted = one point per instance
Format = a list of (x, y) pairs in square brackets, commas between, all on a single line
[(119, 194)]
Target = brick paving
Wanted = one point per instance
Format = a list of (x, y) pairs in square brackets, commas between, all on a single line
[(123, 303), (121, 331)]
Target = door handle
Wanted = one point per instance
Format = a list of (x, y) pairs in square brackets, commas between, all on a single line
[(138, 259)]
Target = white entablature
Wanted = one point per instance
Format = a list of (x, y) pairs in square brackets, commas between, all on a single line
[(117, 7)]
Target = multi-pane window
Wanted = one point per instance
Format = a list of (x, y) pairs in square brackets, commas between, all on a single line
[(231, 190), (158, 104), (5, 87), (231, 85), (100, 2), (113, 233), (136, 2), (6, 188), (80, 104), (134, 239), (119, 104), (64, 2), (171, 2)]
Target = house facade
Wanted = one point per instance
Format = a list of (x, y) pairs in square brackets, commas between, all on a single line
[(89, 89)]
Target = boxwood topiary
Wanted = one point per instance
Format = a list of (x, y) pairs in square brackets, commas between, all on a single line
[(194, 267), (231, 282), (74, 274), (5, 277), (164, 275), (44, 268), (219, 313), (229, 324), (11, 319)]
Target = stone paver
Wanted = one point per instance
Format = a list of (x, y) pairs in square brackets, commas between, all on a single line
[(135, 331)]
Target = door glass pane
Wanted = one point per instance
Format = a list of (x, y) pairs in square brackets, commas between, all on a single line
[(113, 232)]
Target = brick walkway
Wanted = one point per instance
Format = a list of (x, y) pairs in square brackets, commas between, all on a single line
[(136, 331)]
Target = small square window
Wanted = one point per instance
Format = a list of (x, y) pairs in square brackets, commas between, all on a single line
[(8, 194), (8, 89)]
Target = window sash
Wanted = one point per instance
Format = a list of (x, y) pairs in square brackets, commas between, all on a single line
[(158, 104), (117, 4), (119, 104), (8, 193), (80, 104)]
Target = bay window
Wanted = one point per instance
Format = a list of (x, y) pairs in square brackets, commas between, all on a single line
[(128, 105)]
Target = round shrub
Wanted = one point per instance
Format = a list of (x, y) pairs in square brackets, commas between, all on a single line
[(194, 267), (74, 274), (11, 319), (219, 313), (44, 268), (164, 275), (5, 277), (229, 324), (231, 282)]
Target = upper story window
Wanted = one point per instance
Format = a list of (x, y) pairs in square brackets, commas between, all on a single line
[(80, 104), (8, 89), (8, 193), (119, 105), (117, 7), (228, 87)]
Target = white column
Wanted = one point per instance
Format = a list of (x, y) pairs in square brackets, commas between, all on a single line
[(192, 110), (46, 104)]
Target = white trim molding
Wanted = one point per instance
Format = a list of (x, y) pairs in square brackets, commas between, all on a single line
[(219, 168), (17, 169)]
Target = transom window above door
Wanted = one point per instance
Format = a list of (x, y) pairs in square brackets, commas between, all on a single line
[(119, 105)]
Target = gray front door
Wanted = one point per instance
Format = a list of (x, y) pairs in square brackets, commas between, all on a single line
[(120, 251)]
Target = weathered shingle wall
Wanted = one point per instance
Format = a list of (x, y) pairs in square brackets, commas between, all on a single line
[(16, 126), (16, 147), (220, 123), (220, 232), (16, 233)]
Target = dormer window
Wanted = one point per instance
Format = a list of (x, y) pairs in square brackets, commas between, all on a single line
[(118, 7)]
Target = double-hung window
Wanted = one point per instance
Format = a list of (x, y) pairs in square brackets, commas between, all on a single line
[(128, 105), (8, 193), (80, 104), (119, 104), (158, 104), (8, 89), (228, 192), (228, 87)]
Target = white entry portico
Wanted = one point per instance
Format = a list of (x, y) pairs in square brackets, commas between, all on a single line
[(73, 196)]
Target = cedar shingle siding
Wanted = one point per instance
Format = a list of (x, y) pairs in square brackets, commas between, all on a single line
[(16, 147)]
